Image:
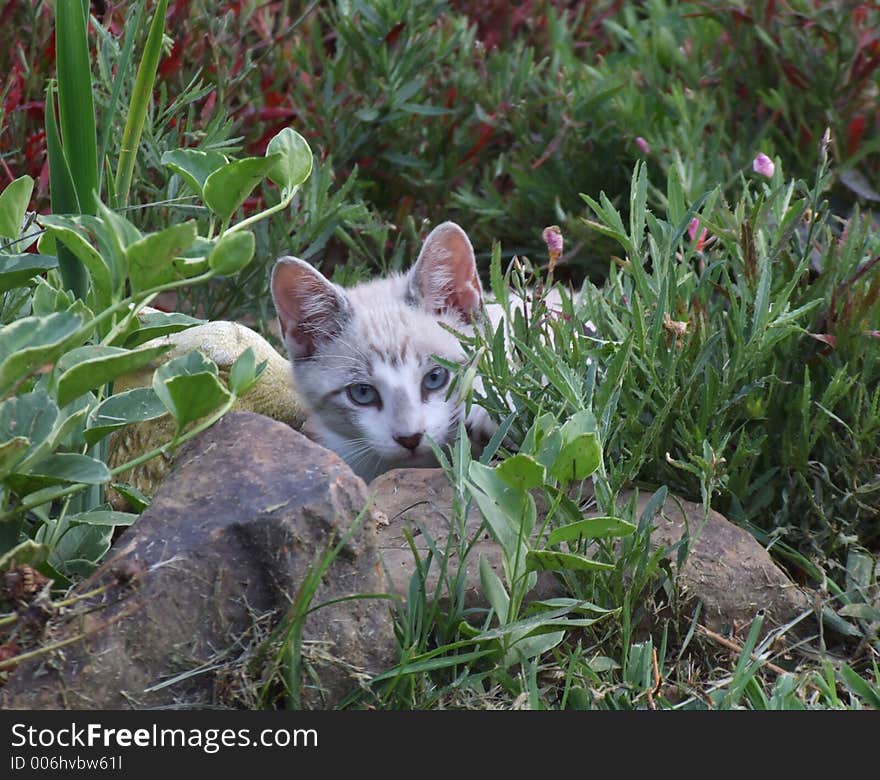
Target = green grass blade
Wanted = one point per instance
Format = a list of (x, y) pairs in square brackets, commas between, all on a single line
[(63, 198), (76, 108), (140, 100), (131, 31)]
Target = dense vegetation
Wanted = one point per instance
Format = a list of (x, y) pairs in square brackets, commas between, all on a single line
[(711, 168)]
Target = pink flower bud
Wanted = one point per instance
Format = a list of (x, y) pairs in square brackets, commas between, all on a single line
[(694, 232), (763, 165), (553, 238), (644, 146)]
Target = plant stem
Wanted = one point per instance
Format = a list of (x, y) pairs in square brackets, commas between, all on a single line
[(282, 204)]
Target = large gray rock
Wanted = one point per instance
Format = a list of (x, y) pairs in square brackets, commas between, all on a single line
[(726, 570), (249, 506)]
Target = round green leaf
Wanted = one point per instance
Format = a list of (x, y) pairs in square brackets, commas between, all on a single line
[(13, 205), (521, 472), (194, 165), (151, 259), (295, 164), (189, 388), (226, 188), (577, 459), (244, 372), (232, 252)]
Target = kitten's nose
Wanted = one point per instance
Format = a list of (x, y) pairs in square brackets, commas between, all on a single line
[(410, 442)]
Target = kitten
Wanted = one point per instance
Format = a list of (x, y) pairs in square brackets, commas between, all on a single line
[(362, 358)]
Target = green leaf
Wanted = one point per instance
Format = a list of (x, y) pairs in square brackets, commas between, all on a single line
[(151, 259), (48, 299), (189, 388), (66, 467), (30, 417), (531, 647), (522, 472), (103, 517), (510, 515), (548, 560), (80, 548), (13, 205), (31, 342), (583, 421), (226, 188), (136, 500), (87, 368), (861, 612), (578, 458), (12, 452), (141, 97), (244, 372), (29, 552), (295, 162), (591, 528), (194, 166), (154, 324), (494, 590), (232, 252), (870, 694), (69, 233), (76, 110), (19, 270), (132, 406)]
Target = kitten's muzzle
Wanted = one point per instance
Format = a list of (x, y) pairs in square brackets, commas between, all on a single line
[(410, 442)]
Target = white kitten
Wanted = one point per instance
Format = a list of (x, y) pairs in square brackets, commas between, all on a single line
[(362, 357)]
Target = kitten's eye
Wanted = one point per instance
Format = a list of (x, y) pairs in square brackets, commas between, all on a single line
[(435, 378), (363, 394)]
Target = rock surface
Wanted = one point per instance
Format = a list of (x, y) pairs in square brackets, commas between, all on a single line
[(727, 570), (224, 540)]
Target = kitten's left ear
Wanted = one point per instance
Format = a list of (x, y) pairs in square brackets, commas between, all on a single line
[(445, 277)]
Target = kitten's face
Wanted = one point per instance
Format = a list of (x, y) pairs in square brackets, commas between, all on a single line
[(364, 359)]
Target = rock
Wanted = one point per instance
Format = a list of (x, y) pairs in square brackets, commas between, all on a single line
[(249, 506), (727, 570)]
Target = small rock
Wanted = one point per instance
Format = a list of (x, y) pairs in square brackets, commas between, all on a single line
[(727, 570), (249, 506)]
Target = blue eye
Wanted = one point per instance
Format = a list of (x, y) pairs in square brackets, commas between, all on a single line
[(363, 394), (435, 378)]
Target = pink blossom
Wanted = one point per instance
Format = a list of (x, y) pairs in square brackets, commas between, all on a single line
[(553, 238), (763, 165), (700, 237), (644, 146)]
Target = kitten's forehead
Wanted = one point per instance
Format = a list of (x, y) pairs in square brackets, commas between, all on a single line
[(384, 327)]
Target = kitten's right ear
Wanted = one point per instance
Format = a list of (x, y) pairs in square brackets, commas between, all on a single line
[(310, 308)]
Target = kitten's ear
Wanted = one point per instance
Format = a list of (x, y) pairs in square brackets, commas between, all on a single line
[(310, 308), (444, 277)]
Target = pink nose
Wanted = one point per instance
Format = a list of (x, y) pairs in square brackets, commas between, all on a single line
[(409, 442)]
